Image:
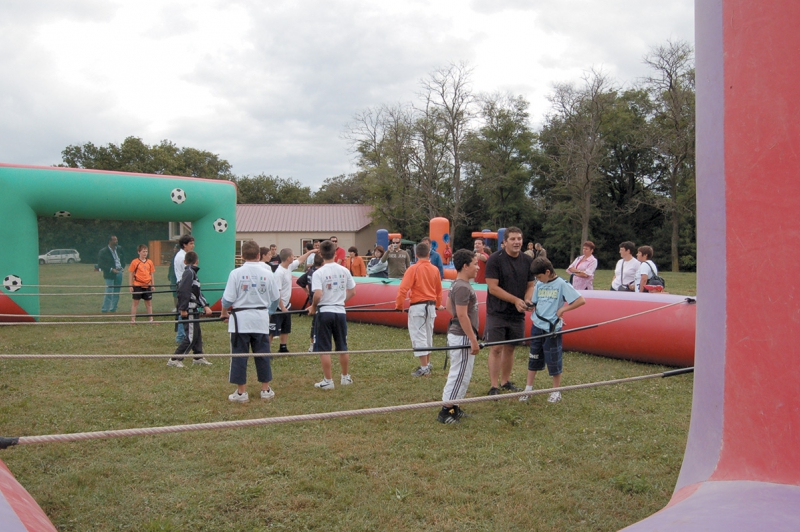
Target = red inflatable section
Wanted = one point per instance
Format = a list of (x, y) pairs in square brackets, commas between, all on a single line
[(19, 512), (663, 337), (7, 306)]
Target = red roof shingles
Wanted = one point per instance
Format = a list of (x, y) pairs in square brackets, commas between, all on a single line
[(301, 218)]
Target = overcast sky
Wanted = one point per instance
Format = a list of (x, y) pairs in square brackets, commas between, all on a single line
[(269, 85)]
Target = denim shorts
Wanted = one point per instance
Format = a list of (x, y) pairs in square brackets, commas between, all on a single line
[(545, 351)]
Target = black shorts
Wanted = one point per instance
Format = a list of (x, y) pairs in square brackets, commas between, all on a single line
[(280, 324), (142, 292), (500, 328), (330, 327)]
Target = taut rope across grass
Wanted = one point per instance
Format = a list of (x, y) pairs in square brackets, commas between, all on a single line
[(6, 442)]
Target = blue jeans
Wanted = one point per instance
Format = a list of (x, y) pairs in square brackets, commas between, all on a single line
[(111, 297)]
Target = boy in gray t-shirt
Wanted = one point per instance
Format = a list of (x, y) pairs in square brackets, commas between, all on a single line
[(461, 334)]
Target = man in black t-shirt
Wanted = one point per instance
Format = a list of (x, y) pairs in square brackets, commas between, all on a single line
[(510, 288)]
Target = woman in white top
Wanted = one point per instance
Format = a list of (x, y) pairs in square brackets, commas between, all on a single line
[(647, 269), (626, 269), (582, 268)]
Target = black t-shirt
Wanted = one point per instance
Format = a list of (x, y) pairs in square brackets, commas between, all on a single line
[(513, 275)]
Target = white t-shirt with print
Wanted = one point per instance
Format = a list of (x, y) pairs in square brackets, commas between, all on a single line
[(334, 281)]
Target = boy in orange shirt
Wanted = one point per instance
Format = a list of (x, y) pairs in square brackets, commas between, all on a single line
[(422, 280), (141, 280)]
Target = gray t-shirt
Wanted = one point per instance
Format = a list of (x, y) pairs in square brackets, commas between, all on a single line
[(462, 293)]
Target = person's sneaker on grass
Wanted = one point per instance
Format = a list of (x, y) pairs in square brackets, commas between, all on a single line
[(494, 391), (174, 363), (554, 397), (346, 379), (201, 361), (267, 394), (524, 398), (324, 384), (510, 387), (421, 371), (448, 415), (237, 397)]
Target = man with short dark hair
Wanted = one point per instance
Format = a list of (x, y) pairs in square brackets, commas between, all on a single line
[(110, 260), (339, 253), (510, 287), (397, 259), (282, 320)]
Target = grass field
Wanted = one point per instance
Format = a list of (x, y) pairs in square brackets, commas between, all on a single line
[(599, 460)]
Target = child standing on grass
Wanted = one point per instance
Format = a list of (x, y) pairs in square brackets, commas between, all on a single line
[(250, 294), (282, 321), (190, 302), (462, 332), (549, 296), (142, 272), (333, 286)]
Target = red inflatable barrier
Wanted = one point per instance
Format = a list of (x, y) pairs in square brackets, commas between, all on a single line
[(19, 512), (663, 337)]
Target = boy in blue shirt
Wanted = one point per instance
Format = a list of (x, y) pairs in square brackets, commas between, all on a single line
[(549, 296)]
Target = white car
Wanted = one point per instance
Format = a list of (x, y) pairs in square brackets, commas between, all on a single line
[(60, 256)]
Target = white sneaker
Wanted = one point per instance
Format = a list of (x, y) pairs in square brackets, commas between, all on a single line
[(554, 397), (238, 398), (421, 371), (346, 379), (201, 361), (267, 394), (524, 398), (324, 384), (174, 363), (311, 348)]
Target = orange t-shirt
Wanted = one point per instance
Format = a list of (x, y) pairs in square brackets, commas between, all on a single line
[(142, 272)]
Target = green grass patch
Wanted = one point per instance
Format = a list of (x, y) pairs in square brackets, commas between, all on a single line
[(599, 460)]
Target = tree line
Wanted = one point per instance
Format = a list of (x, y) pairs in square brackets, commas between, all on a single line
[(608, 164)]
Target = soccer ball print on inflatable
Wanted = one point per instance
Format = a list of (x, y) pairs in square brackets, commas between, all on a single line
[(220, 225), (12, 283), (178, 195)]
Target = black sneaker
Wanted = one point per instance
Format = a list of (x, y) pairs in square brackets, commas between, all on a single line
[(494, 391), (510, 387), (448, 415), (460, 414), (283, 350)]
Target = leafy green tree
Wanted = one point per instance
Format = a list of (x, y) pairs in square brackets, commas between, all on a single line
[(343, 189), (268, 189), (673, 93), (498, 159), (135, 156)]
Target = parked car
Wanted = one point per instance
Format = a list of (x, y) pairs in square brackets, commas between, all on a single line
[(60, 256)]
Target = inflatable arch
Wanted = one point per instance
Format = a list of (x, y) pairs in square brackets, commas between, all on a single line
[(29, 192), (741, 469)]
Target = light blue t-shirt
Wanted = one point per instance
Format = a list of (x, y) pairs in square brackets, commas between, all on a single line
[(548, 298)]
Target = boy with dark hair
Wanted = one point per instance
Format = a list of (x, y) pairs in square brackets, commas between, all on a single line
[(186, 244), (249, 294), (282, 321), (423, 282), (332, 285), (462, 332), (647, 269), (549, 296), (190, 301)]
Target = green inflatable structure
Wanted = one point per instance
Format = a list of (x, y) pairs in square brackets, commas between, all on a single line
[(27, 192)]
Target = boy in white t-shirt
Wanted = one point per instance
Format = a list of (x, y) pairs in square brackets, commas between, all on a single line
[(249, 294), (282, 323), (332, 285), (647, 269)]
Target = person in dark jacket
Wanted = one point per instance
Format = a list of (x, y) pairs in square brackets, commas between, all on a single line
[(111, 261), (190, 302)]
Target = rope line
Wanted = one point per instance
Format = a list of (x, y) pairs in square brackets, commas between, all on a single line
[(220, 425), (306, 353)]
